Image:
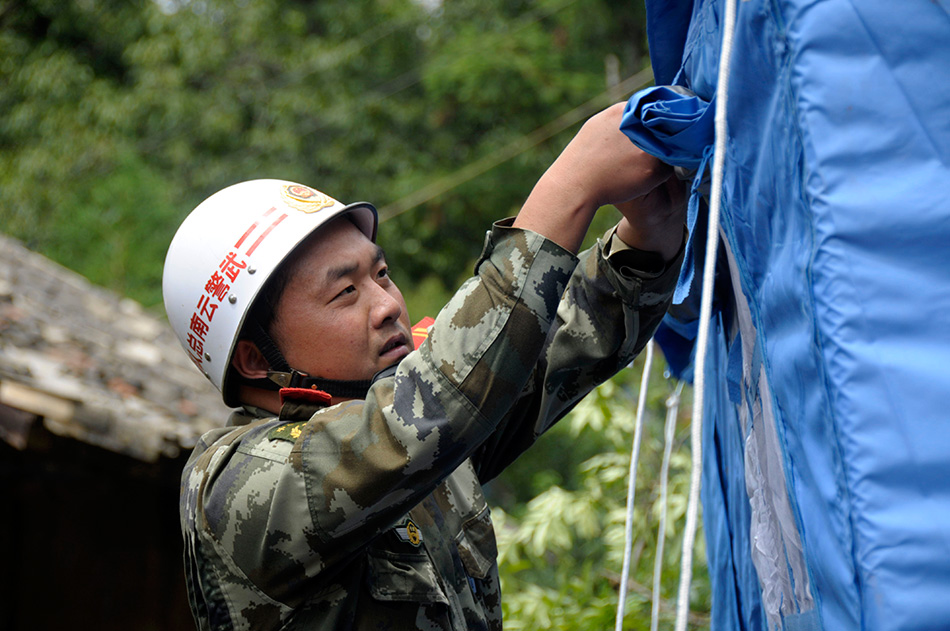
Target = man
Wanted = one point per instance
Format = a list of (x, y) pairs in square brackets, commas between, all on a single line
[(351, 497)]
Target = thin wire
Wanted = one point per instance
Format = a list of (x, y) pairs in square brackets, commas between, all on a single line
[(415, 75), (375, 95), (632, 484), (517, 146), (672, 411), (705, 315)]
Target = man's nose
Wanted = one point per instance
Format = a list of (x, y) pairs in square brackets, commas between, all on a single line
[(385, 307)]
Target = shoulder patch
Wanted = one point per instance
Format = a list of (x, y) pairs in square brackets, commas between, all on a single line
[(287, 431), (409, 533)]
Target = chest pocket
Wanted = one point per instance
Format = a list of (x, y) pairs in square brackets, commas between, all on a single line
[(402, 576), (476, 545)]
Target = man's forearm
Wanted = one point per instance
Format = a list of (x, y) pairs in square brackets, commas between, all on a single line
[(600, 166)]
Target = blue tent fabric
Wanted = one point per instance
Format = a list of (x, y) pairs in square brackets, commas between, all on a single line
[(670, 123), (676, 126), (666, 44), (826, 492)]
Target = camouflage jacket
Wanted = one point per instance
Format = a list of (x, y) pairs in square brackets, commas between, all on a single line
[(369, 514)]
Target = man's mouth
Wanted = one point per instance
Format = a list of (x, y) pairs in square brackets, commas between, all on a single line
[(395, 346)]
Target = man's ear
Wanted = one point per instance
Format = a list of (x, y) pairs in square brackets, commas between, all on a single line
[(249, 361)]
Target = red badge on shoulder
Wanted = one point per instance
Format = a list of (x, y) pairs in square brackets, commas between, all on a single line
[(420, 331)]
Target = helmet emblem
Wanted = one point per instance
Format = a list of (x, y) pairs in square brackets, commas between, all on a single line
[(304, 198)]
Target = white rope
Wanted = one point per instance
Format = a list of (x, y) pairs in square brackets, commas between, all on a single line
[(632, 484), (672, 411), (705, 314)]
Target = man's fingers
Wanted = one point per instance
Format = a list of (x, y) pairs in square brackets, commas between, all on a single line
[(665, 199)]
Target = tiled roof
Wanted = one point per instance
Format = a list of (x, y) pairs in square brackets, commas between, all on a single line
[(93, 366)]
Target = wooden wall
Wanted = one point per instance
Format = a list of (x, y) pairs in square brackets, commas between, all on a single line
[(89, 539)]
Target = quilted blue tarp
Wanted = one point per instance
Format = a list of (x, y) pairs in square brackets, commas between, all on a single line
[(826, 490)]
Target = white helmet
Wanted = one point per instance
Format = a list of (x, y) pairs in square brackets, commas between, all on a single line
[(225, 251)]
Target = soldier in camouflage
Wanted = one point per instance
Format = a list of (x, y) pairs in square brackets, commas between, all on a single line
[(351, 498)]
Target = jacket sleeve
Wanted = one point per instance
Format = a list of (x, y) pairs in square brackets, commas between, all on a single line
[(357, 467), (614, 301), (280, 514)]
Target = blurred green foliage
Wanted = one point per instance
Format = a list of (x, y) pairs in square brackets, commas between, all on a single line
[(119, 116), (122, 115), (560, 512)]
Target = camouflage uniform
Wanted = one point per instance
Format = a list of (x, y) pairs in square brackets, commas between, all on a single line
[(369, 514)]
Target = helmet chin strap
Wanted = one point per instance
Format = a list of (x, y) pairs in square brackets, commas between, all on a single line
[(282, 375)]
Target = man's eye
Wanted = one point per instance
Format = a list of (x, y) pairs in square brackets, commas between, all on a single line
[(346, 291), (383, 273)]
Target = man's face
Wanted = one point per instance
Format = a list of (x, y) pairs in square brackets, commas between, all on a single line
[(340, 315)]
